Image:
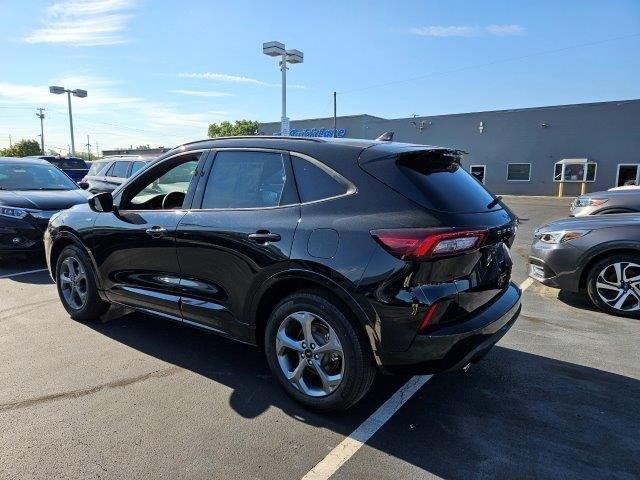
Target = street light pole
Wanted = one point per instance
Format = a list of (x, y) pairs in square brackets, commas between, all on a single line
[(277, 49), (73, 143), (40, 115), (76, 93)]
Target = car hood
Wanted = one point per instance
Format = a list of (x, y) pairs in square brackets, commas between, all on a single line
[(43, 199), (593, 222), (627, 192)]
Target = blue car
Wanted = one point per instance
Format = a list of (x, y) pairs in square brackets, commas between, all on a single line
[(75, 167)]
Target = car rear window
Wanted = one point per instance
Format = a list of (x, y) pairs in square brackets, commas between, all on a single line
[(434, 179), (313, 182), (71, 164)]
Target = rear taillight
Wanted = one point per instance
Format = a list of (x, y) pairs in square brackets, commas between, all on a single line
[(426, 243)]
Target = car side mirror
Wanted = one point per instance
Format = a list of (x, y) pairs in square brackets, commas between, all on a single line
[(83, 185), (101, 202)]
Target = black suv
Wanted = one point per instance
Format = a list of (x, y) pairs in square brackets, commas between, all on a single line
[(339, 257)]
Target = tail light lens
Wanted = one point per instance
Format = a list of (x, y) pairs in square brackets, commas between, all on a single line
[(426, 243)]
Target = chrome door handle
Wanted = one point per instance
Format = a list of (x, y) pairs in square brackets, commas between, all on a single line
[(156, 232), (264, 237)]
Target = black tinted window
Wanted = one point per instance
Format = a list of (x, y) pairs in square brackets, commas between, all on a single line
[(72, 163), (119, 169), (245, 180), (313, 182)]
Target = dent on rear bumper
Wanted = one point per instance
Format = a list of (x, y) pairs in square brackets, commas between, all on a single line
[(454, 346)]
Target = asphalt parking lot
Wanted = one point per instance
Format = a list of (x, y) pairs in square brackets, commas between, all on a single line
[(139, 397)]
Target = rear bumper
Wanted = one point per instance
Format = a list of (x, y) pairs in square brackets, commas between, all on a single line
[(452, 347)]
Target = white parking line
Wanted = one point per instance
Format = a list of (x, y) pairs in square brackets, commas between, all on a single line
[(526, 284), (350, 445), (23, 273)]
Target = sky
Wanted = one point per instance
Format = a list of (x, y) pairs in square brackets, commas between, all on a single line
[(158, 72)]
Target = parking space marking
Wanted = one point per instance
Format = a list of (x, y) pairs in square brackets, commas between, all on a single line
[(526, 284), (23, 273), (350, 445)]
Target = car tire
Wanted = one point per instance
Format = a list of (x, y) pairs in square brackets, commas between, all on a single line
[(75, 281), (606, 288), (347, 365)]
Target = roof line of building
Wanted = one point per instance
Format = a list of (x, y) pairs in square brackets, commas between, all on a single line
[(508, 110)]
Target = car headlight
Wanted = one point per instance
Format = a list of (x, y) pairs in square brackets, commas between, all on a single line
[(42, 214), (589, 201), (560, 236), (13, 212)]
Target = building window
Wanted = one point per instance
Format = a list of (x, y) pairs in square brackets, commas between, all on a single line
[(518, 172), (627, 174), (574, 170), (478, 171)]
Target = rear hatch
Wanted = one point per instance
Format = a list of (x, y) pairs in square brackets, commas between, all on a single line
[(434, 179)]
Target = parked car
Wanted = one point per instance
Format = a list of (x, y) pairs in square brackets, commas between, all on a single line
[(111, 172), (599, 255), (610, 201), (31, 191), (339, 257), (75, 167)]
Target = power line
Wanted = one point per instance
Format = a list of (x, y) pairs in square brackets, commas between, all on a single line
[(494, 62)]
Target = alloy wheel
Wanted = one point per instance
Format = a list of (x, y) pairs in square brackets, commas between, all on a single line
[(618, 285), (310, 354), (73, 283)]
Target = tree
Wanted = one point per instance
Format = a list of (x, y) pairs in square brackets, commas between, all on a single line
[(228, 129), (23, 148)]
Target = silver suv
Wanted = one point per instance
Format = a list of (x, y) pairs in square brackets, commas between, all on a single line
[(107, 174)]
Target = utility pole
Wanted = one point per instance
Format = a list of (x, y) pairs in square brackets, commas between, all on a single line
[(97, 150), (335, 122), (40, 115), (88, 149), (10, 141)]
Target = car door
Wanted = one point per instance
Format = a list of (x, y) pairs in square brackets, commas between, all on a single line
[(238, 233), (134, 246)]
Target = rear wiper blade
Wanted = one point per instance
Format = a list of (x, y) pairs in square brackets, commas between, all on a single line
[(494, 202)]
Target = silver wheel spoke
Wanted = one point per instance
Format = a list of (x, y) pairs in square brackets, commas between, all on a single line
[(295, 377), (284, 341), (332, 345), (329, 382), (607, 286), (64, 278), (618, 269), (621, 300)]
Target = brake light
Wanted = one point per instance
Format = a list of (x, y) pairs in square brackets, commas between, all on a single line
[(425, 243)]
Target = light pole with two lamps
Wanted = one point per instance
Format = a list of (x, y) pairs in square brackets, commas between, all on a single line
[(277, 49), (76, 93)]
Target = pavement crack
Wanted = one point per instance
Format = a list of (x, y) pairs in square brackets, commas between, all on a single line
[(4, 407)]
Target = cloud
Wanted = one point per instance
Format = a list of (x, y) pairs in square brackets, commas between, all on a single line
[(467, 31), (237, 79), (505, 30), (84, 23), (223, 77), (444, 31), (202, 93)]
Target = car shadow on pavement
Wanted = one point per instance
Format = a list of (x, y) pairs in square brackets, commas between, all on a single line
[(514, 415), (518, 415), (241, 367), (576, 300)]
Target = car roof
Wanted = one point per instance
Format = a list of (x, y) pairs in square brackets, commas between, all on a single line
[(126, 158), (25, 160), (307, 145)]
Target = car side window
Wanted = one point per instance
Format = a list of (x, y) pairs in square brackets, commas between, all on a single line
[(136, 166), (245, 179), (119, 169), (314, 183), (163, 187)]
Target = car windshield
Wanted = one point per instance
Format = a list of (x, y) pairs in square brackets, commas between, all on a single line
[(33, 177)]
